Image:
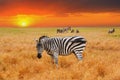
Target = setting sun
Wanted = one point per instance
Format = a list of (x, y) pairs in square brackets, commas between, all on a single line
[(23, 20), (24, 24)]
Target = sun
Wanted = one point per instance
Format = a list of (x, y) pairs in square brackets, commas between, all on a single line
[(24, 24), (23, 20)]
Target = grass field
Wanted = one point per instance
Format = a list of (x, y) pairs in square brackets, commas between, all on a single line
[(18, 59)]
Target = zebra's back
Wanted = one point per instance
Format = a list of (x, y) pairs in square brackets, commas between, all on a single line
[(66, 45), (70, 44)]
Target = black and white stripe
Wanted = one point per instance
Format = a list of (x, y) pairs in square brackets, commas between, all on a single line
[(61, 46)]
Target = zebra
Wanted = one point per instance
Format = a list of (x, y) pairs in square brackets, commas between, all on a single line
[(77, 31), (60, 31), (56, 46), (72, 31), (64, 30), (111, 30)]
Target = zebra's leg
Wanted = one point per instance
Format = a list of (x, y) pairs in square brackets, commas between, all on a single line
[(78, 54), (55, 56), (52, 58)]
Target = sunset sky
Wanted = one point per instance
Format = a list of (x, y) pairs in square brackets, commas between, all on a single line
[(58, 13)]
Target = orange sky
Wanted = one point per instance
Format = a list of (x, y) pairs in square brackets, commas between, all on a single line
[(46, 13)]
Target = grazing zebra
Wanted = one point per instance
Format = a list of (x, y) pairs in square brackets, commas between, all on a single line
[(61, 46), (77, 31), (64, 30), (111, 31), (72, 31), (59, 31)]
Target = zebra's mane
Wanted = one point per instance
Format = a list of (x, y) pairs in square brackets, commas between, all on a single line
[(43, 37)]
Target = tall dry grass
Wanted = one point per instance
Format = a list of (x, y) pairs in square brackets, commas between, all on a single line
[(18, 59)]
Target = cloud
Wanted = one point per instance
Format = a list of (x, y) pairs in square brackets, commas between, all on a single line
[(59, 7)]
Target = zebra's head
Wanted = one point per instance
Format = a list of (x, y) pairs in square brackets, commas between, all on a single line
[(39, 46)]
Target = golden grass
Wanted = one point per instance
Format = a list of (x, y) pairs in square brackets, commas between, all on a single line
[(18, 59)]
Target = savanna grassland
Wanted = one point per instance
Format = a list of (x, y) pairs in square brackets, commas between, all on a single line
[(18, 56)]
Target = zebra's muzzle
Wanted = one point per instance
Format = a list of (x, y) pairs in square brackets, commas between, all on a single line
[(39, 56)]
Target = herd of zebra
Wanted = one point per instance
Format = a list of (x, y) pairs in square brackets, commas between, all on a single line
[(69, 29), (66, 30)]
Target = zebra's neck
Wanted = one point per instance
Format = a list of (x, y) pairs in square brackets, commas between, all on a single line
[(45, 44)]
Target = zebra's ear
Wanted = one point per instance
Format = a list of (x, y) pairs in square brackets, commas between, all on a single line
[(37, 41)]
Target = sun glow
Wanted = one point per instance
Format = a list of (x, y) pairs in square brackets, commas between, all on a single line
[(23, 20), (23, 23)]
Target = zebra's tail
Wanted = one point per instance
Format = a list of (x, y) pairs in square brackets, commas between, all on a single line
[(79, 40)]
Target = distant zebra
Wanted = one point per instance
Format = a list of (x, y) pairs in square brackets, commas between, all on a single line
[(64, 30), (59, 31), (77, 31), (61, 46), (72, 31), (111, 31)]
